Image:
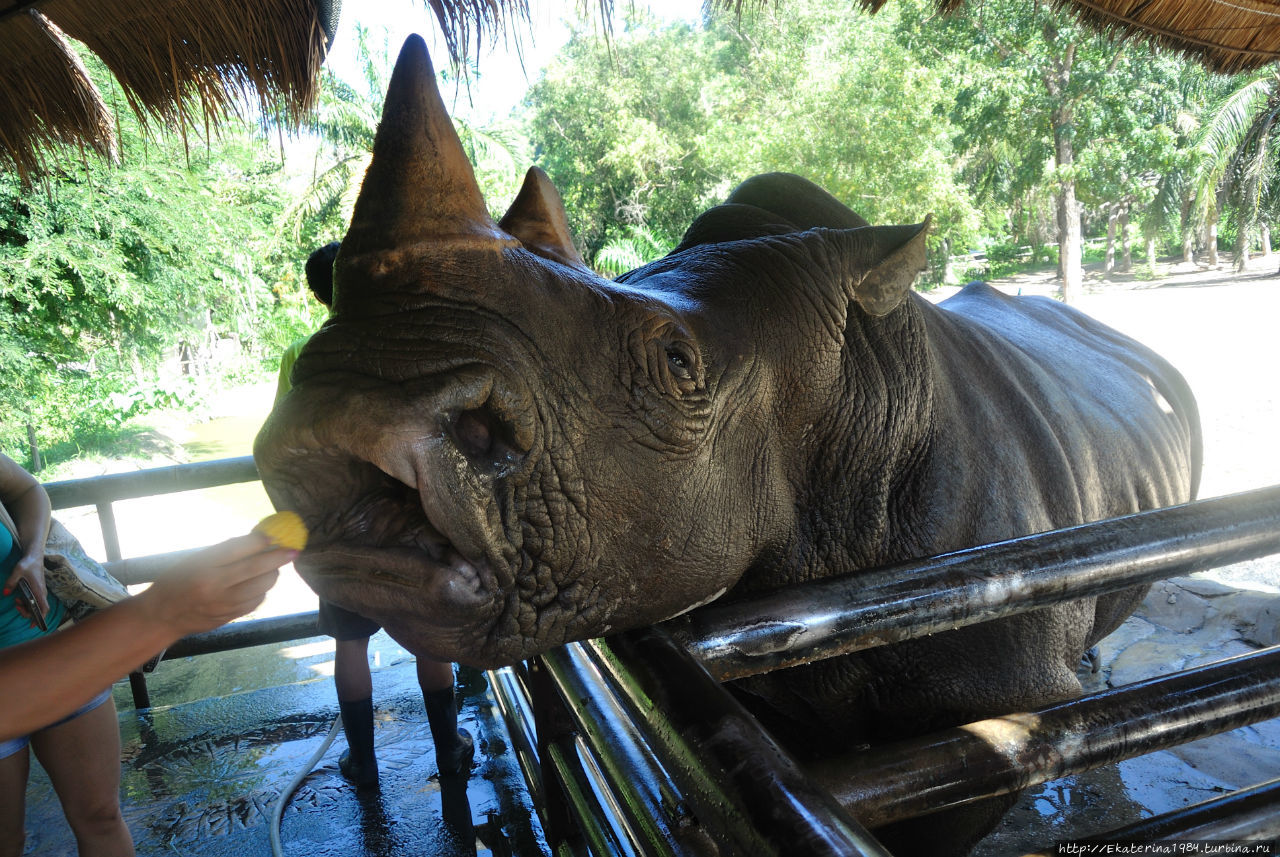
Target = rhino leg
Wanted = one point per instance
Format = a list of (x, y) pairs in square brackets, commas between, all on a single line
[(1112, 609)]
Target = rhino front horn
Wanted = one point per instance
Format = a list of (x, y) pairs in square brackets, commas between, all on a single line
[(420, 187)]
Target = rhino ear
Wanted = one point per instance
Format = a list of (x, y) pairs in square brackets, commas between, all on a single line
[(896, 255), (420, 186), (537, 219)]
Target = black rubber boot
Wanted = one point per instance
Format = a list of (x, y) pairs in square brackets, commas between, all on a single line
[(454, 746), (358, 762)]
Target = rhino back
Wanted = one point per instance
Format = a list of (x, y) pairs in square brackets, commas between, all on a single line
[(1050, 418), (1041, 418)]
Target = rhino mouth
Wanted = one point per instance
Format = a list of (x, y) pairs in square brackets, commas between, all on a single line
[(392, 555)]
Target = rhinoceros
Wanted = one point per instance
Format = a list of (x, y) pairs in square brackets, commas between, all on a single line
[(497, 450)]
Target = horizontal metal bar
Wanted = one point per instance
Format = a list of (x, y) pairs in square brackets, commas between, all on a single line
[(743, 787), (69, 493), (825, 618), (145, 569), (252, 632), (1251, 814), (1001, 755)]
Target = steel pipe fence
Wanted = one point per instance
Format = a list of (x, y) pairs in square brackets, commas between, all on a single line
[(834, 616), (102, 491), (630, 746), (1006, 754)]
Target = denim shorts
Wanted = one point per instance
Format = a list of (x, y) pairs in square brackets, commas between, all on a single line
[(13, 745)]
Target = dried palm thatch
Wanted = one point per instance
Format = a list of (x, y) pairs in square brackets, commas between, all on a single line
[(45, 95), (1226, 35), (185, 61), (178, 63)]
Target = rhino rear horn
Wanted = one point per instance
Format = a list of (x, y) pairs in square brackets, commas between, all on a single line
[(537, 219), (886, 261), (420, 186)]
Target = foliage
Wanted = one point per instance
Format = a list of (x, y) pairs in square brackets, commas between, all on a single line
[(122, 284), (661, 122), (1235, 168), (617, 126), (343, 128), (638, 247)]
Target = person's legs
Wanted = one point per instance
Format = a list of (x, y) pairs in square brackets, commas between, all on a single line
[(454, 747), (354, 683), (351, 676), (13, 796), (434, 675), (82, 758)]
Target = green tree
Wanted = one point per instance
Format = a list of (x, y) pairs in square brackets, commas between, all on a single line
[(121, 286), (1138, 144), (618, 126), (653, 126), (1044, 90), (1236, 164)]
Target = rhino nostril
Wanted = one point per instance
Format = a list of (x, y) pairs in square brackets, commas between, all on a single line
[(473, 432), (486, 439)]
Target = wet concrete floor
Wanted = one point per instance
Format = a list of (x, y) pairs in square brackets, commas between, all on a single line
[(202, 778), (202, 775), (1183, 623)]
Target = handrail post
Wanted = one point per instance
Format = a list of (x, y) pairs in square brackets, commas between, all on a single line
[(138, 684), (110, 535)]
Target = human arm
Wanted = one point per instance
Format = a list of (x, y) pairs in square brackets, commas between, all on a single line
[(51, 677), (28, 505)]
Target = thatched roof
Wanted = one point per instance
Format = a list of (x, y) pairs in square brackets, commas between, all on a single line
[(1226, 35), (175, 61), (181, 61)]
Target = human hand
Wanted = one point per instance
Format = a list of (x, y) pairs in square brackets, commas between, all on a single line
[(215, 585), (31, 569)]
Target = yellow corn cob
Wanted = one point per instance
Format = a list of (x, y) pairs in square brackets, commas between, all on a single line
[(285, 529)]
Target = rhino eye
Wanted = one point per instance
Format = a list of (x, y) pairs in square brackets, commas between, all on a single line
[(680, 362)]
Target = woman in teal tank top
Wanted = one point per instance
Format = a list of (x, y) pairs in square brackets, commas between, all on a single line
[(80, 753), (14, 626)]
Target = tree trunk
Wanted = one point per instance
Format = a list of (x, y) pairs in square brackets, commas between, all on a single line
[(1211, 238), (1069, 237), (1109, 260), (1242, 249), (1188, 233), (36, 464), (1151, 254), (949, 277), (1126, 252)]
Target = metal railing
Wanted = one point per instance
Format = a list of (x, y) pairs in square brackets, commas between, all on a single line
[(631, 746), (102, 492)]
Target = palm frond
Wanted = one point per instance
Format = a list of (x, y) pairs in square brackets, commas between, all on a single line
[(1165, 209), (1224, 136), (333, 189), (623, 253)]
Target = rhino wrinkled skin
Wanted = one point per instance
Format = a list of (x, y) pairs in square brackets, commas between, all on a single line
[(498, 451)]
